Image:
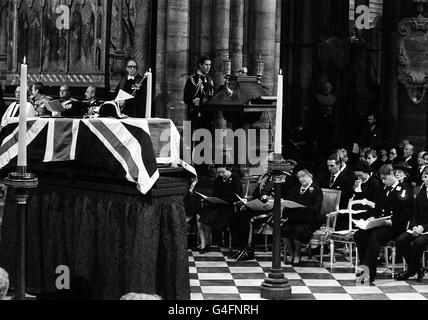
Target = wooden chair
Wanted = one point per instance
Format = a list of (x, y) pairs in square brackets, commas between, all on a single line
[(331, 201), (346, 237), (391, 246)]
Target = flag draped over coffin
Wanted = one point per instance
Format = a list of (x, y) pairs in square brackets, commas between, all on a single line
[(52, 140)]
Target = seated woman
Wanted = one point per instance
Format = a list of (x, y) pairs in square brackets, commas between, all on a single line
[(411, 244), (402, 173), (302, 222), (218, 216)]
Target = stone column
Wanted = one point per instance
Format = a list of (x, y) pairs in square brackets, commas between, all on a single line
[(222, 35), (195, 32), (264, 40), (141, 36), (160, 76), (206, 31), (237, 34), (177, 58)]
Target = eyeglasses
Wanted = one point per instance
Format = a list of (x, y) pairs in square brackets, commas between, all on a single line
[(132, 67)]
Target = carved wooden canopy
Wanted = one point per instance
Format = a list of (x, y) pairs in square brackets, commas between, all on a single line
[(413, 57)]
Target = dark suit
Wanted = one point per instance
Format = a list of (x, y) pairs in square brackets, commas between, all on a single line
[(134, 107), (370, 190), (370, 137), (410, 247), (77, 109), (344, 184), (398, 204), (412, 162)]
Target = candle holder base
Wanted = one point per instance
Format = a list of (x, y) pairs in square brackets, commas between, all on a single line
[(22, 180)]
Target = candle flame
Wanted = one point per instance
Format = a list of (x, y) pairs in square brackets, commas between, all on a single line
[(150, 69), (280, 71), (25, 60)]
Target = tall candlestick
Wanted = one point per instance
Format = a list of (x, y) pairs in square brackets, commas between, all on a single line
[(22, 143), (279, 106), (149, 94)]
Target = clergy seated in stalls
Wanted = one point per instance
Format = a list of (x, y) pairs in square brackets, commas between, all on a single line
[(395, 201), (365, 187), (338, 180), (38, 98), (301, 223), (13, 110), (264, 191), (218, 216), (412, 243)]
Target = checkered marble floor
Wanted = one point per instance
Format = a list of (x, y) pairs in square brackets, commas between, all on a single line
[(214, 276)]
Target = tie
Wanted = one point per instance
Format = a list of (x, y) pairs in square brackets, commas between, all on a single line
[(331, 181)]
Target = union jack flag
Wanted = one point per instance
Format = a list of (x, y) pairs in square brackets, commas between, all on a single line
[(54, 140)]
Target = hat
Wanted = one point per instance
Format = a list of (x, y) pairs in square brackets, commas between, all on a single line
[(123, 96), (403, 167), (111, 109), (362, 166)]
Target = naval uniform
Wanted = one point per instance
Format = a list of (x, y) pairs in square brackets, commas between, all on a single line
[(395, 201)]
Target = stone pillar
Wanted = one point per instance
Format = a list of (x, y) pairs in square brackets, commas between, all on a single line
[(206, 33), (222, 35), (142, 34), (195, 31), (160, 76), (264, 40), (237, 34), (177, 58)]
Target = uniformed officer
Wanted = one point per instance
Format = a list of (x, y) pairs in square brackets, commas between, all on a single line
[(396, 201), (38, 98), (199, 89)]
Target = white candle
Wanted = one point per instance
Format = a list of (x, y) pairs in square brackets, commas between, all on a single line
[(149, 94), (279, 105), (22, 143)]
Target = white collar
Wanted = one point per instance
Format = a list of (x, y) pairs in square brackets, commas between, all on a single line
[(395, 185), (131, 77), (343, 168)]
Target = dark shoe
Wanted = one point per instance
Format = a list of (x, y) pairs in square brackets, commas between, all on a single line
[(296, 260), (247, 255), (404, 275), (204, 250)]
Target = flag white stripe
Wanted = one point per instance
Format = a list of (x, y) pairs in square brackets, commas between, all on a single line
[(32, 133), (50, 141), (143, 175), (74, 132)]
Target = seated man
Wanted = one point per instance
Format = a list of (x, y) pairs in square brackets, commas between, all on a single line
[(395, 201), (92, 104), (13, 110), (411, 244), (73, 107), (37, 98)]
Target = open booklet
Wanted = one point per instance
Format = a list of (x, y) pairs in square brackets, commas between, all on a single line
[(370, 224), (213, 200), (258, 205), (54, 105)]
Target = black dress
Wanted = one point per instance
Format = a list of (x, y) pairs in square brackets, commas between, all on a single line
[(302, 223), (219, 216)]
